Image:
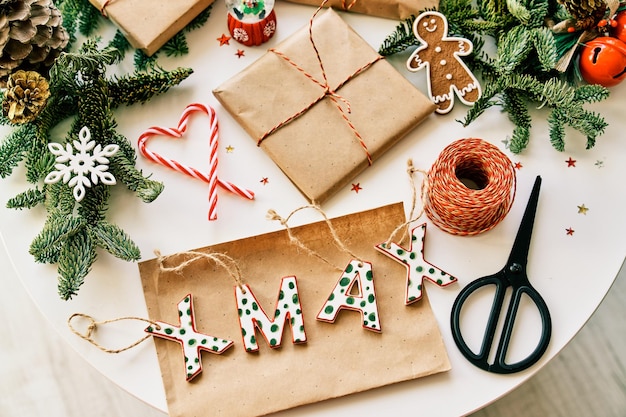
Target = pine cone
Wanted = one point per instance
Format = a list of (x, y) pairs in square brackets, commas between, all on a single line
[(586, 14), (31, 36), (26, 95)]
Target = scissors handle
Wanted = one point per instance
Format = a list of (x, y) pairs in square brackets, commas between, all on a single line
[(481, 359)]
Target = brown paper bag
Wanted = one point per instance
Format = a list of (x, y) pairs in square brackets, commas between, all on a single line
[(318, 150), (338, 358), (149, 24), (392, 9)]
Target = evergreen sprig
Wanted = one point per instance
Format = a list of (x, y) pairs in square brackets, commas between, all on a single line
[(522, 72), (82, 90)]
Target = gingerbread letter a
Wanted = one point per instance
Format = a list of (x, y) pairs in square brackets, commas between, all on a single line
[(357, 276)]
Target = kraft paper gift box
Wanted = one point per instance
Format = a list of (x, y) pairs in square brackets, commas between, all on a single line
[(149, 24), (321, 137), (391, 9)]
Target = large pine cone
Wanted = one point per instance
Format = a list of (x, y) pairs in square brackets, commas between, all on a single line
[(31, 36)]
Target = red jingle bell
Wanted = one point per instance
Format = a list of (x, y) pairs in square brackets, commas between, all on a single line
[(603, 61), (619, 30)]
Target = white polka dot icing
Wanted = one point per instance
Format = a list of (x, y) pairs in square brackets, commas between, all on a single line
[(357, 275), (191, 341), (252, 317), (417, 267)]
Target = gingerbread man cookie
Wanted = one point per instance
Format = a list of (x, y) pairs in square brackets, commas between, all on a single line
[(440, 54)]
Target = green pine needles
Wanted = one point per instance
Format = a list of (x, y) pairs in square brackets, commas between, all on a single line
[(522, 73), (81, 90)]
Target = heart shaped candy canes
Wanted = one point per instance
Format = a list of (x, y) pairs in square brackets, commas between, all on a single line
[(210, 177)]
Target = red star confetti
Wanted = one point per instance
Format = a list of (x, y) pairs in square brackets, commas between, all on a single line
[(264, 180), (518, 165), (356, 187), (569, 231), (224, 40), (240, 53), (571, 162), (229, 149), (582, 209)]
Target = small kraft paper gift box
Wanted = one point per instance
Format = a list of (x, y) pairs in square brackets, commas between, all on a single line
[(391, 9), (149, 24), (323, 118)]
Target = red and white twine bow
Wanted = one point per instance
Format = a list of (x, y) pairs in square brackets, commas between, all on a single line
[(210, 177), (329, 92)]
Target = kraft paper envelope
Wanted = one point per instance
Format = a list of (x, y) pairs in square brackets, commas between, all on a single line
[(338, 358)]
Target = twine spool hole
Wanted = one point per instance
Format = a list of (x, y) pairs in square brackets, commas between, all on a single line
[(472, 173)]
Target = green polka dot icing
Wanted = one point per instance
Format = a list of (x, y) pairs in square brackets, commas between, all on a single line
[(191, 341), (343, 296), (417, 267), (288, 309)]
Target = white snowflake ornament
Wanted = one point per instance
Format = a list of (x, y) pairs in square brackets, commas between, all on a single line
[(81, 169)]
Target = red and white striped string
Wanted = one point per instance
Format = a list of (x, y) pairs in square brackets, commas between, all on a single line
[(177, 132), (458, 208)]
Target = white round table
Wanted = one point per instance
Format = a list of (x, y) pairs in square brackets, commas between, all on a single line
[(577, 249)]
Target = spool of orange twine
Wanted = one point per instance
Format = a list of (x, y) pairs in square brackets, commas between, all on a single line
[(470, 187)]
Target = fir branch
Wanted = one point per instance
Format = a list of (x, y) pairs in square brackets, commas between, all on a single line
[(513, 48), (115, 241), (120, 43), (14, 148), (45, 246), (39, 161), (401, 39), (89, 20), (485, 101), (545, 47), (146, 189), (199, 20), (538, 10), (59, 200), (94, 205), (591, 93), (61, 105), (141, 87), (143, 61), (75, 260), (515, 106), (176, 46), (27, 199), (556, 122), (524, 66)]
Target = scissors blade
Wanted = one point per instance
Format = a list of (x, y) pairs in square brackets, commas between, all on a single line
[(521, 246)]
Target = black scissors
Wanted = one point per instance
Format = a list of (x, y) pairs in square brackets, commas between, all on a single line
[(512, 275)]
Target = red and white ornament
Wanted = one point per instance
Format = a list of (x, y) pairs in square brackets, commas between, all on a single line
[(251, 22)]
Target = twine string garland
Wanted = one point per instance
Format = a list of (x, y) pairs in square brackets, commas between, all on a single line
[(229, 264), (465, 210), (93, 325), (411, 170), (273, 215)]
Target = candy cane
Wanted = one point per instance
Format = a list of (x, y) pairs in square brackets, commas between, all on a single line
[(177, 132)]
